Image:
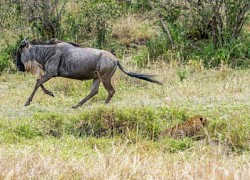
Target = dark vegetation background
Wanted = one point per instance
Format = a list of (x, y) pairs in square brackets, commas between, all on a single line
[(204, 32)]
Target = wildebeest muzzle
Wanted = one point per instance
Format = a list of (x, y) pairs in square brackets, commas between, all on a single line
[(19, 64), (20, 67)]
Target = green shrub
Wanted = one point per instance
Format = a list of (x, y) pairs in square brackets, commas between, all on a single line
[(140, 5), (27, 131), (7, 56), (4, 61), (235, 54)]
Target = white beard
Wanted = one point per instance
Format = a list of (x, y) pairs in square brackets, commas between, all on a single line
[(34, 68)]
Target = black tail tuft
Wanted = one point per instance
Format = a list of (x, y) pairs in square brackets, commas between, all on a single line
[(140, 76)]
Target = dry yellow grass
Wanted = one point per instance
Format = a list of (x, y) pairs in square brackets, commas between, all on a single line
[(124, 162), (133, 30)]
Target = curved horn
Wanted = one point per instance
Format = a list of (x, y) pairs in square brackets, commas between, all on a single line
[(25, 39)]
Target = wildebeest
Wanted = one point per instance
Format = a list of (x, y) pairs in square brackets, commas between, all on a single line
[(65, 59)]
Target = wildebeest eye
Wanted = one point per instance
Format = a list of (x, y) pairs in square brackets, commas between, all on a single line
[(23, 43)]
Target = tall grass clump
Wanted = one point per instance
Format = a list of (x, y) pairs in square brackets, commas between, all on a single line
[(27, 131), (231, 134), (157, 46)]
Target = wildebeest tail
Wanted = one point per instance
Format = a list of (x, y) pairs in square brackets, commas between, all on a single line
[(137, 75)]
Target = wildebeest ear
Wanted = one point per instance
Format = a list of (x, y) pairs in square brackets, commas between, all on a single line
[(24, 43)]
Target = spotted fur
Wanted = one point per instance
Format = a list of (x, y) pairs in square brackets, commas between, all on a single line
[(187, 129)]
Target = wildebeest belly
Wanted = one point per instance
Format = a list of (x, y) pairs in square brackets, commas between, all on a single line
[(78, 66)]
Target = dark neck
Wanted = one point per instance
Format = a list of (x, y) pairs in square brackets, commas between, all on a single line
[(42, 53)]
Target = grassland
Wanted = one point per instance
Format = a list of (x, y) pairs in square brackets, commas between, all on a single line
[(50, 140)]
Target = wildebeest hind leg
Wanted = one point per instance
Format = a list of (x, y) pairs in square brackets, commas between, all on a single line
[(108, 86), (94, 91), (39, 82), (105, 76)]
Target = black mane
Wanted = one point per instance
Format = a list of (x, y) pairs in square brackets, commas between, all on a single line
[(51, 42)]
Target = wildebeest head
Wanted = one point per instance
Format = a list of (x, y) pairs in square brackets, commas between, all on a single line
[(27, 59), (23, 45)]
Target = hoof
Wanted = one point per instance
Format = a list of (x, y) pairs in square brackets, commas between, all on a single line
[(75, 107), (51, 94), (27, 103)]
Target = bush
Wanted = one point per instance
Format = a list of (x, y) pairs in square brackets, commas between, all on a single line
[(210, 31), (4, 61), (140, 5), (7, 57), (235, 54)]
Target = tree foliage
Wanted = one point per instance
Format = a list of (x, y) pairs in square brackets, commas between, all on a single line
[(93, 18), (220, 20), (205, 30)]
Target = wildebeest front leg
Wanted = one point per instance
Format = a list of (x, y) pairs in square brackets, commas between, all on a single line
[(94, 91), (39, 82), (46, 91)]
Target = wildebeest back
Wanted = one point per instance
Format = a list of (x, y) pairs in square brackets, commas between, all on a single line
[(83, 63)]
